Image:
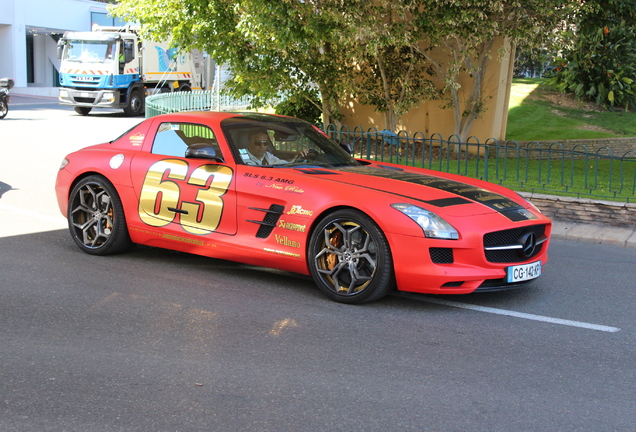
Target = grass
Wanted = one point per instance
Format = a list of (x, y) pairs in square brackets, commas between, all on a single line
[(538, 112)]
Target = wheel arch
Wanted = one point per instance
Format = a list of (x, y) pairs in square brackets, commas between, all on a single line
[(336, 208), (82, 176)]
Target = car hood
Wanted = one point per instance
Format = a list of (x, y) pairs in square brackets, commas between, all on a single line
[(446, 196)]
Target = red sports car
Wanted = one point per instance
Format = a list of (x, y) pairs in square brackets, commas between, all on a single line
[(277, 192)]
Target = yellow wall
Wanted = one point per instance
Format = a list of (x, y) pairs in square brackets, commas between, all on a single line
[(431, 118)]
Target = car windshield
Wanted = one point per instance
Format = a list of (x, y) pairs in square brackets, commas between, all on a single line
[(90, 51), (282, 144)]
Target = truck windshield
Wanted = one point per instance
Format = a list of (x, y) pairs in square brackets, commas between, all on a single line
[(90, 51)]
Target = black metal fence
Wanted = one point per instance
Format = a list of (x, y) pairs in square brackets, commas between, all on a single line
[(533, 167)]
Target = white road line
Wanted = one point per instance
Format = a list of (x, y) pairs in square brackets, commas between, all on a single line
[(523, 315)]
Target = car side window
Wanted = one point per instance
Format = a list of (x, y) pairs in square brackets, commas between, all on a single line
[(173, 139)]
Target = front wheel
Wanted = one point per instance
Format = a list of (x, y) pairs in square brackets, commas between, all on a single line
[(135, 105), (4, 109), (349, 258), (83, 110), (96, 217)]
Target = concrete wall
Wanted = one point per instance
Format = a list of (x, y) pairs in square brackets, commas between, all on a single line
[(618, 146), (586, 211), (431, 118), (40, 19)]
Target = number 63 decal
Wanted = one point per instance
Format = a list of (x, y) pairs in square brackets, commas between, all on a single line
[(161, 195)]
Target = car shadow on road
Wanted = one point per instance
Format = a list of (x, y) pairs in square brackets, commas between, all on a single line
[(53, 255)]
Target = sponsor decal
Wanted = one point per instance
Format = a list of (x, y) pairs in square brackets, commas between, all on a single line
[(285, 241), (294, 190), (298, 210), (137, 139), (173, 237), (290, 254), (291, 226)]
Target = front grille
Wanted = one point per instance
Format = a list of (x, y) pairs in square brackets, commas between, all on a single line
[(507, 246), (85, 100), (441, 255), (492, 285)]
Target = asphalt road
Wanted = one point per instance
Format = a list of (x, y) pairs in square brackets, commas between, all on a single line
[(156, 340)]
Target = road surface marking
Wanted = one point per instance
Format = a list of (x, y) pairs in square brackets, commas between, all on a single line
[(515, 314)]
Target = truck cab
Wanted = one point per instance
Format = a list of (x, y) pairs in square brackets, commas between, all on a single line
[(111, 67), (101, 69)]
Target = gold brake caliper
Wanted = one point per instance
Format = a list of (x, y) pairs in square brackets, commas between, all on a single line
[(336, 241)]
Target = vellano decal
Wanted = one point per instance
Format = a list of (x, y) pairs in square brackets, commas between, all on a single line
[(285, 241)]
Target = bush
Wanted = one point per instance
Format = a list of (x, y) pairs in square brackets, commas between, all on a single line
[(601, 68)]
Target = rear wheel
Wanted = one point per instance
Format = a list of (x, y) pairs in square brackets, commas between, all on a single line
[(349, 258), (4, 109), (135, 105), (83, 110), (96, 217)]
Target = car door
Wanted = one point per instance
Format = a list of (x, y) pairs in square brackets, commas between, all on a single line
[(184, 195)]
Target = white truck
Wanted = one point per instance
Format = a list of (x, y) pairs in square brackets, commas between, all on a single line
[(111, 67)]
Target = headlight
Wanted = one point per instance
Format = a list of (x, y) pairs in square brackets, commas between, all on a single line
[(432, 225)]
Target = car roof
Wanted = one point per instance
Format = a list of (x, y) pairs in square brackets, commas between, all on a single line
[(199, 116)]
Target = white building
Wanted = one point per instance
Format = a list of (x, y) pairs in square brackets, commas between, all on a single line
[(29, 30)]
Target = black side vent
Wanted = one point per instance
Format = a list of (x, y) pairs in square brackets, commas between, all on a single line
[(442, 255), (267, 225)]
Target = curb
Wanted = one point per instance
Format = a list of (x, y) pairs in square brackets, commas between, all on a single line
[(597, 234)]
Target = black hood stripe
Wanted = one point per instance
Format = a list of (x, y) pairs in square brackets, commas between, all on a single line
[(499, 203)]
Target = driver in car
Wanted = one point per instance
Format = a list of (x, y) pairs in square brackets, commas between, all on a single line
[(257, 145)]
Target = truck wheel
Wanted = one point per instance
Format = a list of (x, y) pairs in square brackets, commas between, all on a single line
[(83, 110), (135, 105)]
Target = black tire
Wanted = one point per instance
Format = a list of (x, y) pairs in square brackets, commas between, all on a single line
[(83, 110), (4, 109), (136, 105), (96, 217), (349, 258)]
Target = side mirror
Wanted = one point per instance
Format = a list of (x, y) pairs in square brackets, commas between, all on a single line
[(346, 147), (60, 49), (129, 51), (202, 151)]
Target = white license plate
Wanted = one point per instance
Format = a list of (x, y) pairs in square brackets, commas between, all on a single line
[(85, 94), (524, 272)]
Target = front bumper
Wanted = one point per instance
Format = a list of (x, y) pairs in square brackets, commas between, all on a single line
[(89, 98), (455, 266)]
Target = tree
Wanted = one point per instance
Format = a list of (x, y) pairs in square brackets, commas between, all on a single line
[(466, 31), (390, 72), (381, 51), (272, 47)]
